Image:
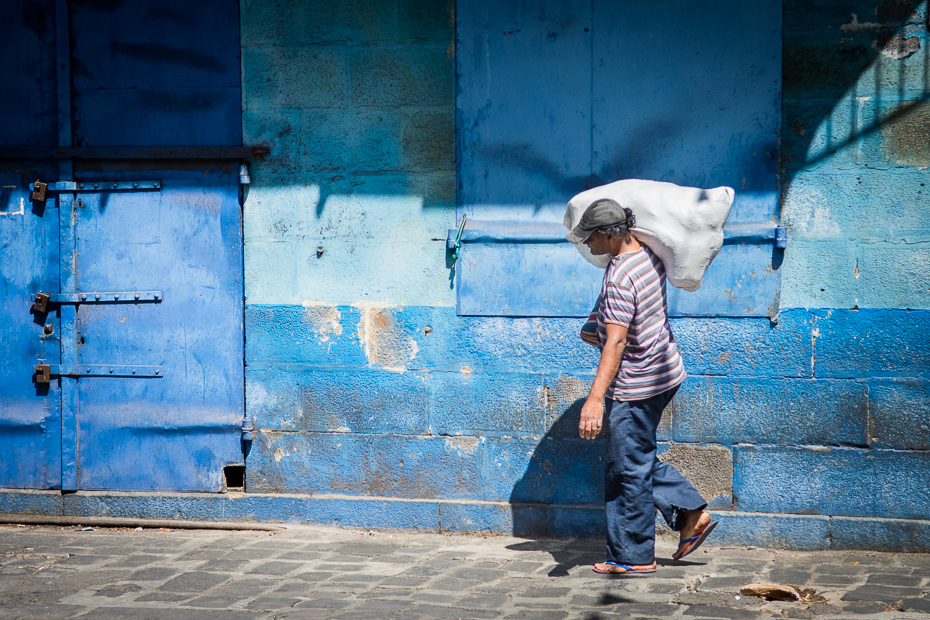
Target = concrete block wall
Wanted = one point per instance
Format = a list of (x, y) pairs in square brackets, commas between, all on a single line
[(377, 405)]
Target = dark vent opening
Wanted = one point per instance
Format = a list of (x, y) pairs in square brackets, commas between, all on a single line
[(235, 477)]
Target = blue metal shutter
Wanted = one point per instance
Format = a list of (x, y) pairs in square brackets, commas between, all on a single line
[(557, 97)]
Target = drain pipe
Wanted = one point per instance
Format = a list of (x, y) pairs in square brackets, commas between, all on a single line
[(131, 522)]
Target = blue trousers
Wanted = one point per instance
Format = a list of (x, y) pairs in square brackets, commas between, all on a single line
[(637, 482)]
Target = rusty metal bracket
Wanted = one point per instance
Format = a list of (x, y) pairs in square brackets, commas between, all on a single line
[(42, 300), (45, 372)]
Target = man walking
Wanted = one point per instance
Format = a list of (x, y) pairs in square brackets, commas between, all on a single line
[(638, 374)]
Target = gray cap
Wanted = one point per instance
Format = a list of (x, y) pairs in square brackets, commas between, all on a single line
[(603, 213)]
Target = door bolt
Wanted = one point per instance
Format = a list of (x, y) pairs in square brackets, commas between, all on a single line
[(116, 297), (157, 371), (97, 296), (137, 295), (133, 371), (111, 371)]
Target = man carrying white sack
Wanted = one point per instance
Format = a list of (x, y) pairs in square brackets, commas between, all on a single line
[(638, 374)]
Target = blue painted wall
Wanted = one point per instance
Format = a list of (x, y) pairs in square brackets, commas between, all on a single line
[(377, 405), (364, 383)]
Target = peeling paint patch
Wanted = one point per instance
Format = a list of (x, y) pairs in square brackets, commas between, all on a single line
[(386, 346), (461, 445), (326, 320)]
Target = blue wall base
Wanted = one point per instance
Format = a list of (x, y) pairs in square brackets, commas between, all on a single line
[(801, 532)]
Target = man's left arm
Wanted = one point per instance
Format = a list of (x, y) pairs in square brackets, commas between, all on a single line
[(592, 413)]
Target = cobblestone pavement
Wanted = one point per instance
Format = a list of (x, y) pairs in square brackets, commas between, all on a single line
[(309, 572)]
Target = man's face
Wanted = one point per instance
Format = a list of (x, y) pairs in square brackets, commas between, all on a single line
[(598, 243)]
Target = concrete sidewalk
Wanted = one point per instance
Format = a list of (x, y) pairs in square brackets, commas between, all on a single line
[(311, 572)]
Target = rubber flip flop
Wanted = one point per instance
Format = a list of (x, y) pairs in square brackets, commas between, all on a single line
[(627, 569), (689, 545)]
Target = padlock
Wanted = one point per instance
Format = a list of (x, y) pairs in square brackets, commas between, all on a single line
[(38, 191), (41, 303), (43, 373)]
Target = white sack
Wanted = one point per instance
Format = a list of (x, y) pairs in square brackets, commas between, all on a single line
[(682, 225)]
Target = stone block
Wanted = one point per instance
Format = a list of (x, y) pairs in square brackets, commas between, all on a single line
[(289, 462), (426, 20), (820, 274), (567, 471), (888, 484), (857, 204), (322, 336), (419, 74), (806, 532), (902, 535), (574, 520), (462, 517), (871, 343), (31, 502), (429, 141), (374, 514), (708, 468), (486, 404), (187, 506), (279, 130), (508, 471), (819, 134), (296, 78), (362, 401), (894, 131), (747, 347), (425, 467), (770, 411), (895, 275), (900, 410)]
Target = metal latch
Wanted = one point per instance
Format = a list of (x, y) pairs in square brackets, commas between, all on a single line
[(44, 372), (40, 189), (42, 300)]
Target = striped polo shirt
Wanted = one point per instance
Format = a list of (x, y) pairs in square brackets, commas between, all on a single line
[(633, 294)]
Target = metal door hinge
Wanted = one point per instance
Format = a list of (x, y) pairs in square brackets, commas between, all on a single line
[(247, 429), (45, 372), (42, 300)]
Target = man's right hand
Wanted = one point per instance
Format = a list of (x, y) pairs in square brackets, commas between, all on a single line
[(592, 418)]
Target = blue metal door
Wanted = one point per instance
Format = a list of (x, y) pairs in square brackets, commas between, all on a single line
[(122, 286)]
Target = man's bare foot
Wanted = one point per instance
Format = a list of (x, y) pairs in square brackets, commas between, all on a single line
[(695, 522), (604, 567)]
